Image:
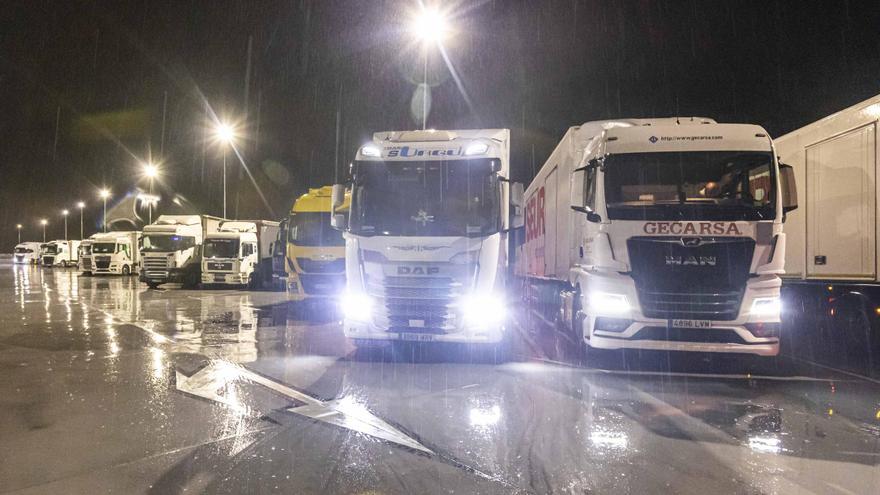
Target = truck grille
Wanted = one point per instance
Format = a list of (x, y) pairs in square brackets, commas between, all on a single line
[(102, 262), (322, 285), (321, 266), (19, 258), (703, 280), (156, 267), (48, 260)]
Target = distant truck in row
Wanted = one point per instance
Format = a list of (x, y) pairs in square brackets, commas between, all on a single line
[(660, 234), (315, 259), (27, 253), (110, 253), (426, 237), (60, 253), (239, 253), (171, 249)]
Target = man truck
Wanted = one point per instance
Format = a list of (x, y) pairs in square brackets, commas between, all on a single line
[(114, 253), (426, 237), (239, 253), (171, 249), (660, 234), (315, 250)]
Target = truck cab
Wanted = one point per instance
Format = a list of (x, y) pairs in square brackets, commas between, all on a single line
[(114, 253), (315, 251), (426, 237), (171, 249), (27, 253), (60, 253), (239, 253), (661, 234)]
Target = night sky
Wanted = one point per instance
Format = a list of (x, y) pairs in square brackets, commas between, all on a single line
[(102, 74)]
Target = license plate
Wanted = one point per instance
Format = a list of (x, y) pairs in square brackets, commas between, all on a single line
[(418, 337), (417, 323), (690, 323)]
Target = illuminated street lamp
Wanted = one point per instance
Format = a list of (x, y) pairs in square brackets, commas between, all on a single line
[(81, 205), (64, 213), (104, 193), (431, 28), (151, 171), (44, 222), (18, 228), (225, 135)]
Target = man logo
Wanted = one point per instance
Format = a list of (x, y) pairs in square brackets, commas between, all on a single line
[(691, 241), (653, 139)]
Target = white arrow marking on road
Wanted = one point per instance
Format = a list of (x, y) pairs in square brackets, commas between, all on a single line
[(344, 412)]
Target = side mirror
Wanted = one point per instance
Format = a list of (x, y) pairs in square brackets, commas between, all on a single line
[(517, 200), (789, 188), (337, 196), (576, 189), (337, 221)]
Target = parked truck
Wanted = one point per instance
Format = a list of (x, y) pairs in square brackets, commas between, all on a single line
[(171, 249), (60, 253), (84, 264), (114, 253), (239, 253), (660, 234), (27, 253), (426, 237), (315, 250)]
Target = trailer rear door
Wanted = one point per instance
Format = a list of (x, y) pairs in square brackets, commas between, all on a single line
[(841, 225)]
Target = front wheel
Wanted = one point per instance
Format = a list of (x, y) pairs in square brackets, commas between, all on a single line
[(126, 270), (153, 285)]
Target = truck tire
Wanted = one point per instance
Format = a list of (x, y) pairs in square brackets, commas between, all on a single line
[(126, 270), (152, 285)]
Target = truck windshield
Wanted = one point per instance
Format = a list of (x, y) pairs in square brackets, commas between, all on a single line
[(711, 185), (85, 249), (51, 249), (313, 229), (430, 198), (104, 248), (221, 248), (167, 243), (23, 250)]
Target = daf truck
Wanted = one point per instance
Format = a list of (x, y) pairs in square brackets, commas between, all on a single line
[(315, 250), (114, 253), (239, 253), (171, 249), (660, 234), (27, 253), (60, 253), (426, 237)]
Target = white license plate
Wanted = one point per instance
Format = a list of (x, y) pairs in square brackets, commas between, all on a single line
[(690, 323), (417, 337)]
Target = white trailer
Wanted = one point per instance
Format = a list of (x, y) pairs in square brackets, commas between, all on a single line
[(659, 234), (239, 253), (426, 237), (114, 253), (833, 237), (27, 253), (171, 249), (60, 253)]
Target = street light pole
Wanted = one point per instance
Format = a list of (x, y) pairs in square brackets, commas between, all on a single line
[(81, 205), (225, 135), (65, 213), (104, 195), (224, 181), (18, 227), (44, 222)]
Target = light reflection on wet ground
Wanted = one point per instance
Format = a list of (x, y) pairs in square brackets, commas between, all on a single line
[(88, 403)]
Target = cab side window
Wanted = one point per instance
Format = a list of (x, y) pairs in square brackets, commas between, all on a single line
[(590, 188)]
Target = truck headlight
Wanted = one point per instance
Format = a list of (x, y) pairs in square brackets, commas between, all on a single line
[(770, 307), (481, 310), (608, 303), (356, 306)]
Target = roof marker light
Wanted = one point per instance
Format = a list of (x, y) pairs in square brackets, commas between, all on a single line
[(476, 149)]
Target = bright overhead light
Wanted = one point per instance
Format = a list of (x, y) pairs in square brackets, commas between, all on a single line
[(150, 170), (44, 222), (80, 205), (104, 193), (65, 212), (430, 26), (18, 226), (224, 133)]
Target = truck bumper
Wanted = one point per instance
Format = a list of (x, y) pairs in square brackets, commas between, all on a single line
[(360, 330), (172, 276), (224, 278)]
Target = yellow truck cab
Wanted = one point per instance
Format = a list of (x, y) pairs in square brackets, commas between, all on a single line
[(315, 261)]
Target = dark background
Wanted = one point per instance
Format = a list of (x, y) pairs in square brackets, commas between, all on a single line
[(536, 67)]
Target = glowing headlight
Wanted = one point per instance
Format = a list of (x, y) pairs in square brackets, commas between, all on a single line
[(476, 149), (608, 304), (766, 306), (482, 310), (371, 151), (356, 306)]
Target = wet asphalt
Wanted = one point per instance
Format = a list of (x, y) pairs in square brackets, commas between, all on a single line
[(108, 387)]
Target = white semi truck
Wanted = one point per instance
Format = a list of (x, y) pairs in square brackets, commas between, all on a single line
[(114, 253), (426, 237), (660, 234), (171, 249), (60, 253), (27, 253), (239, 253)]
